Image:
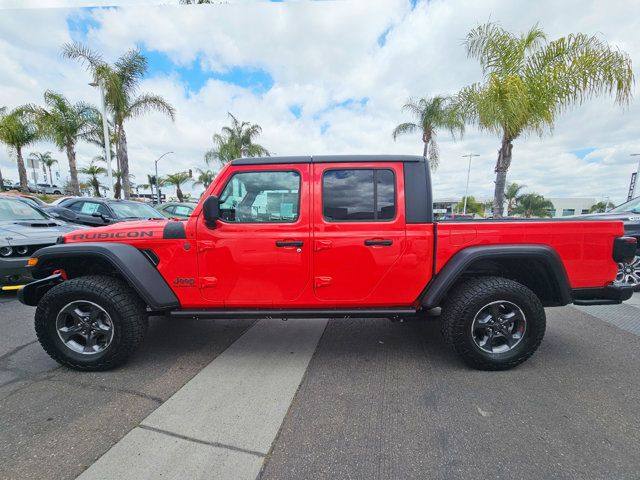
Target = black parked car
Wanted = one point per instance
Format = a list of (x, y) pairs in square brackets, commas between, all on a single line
[(629, 213), (97, 212)]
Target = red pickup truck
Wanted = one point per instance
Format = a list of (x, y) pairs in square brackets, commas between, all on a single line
[(322, 236)]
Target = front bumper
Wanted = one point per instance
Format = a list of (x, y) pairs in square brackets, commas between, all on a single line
[(13, 270), (610, 295)]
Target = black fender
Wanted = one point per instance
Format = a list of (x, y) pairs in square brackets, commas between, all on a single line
[(133, 265), (452, 271)]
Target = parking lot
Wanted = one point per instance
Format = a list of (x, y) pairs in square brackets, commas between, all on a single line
[(325, 399)]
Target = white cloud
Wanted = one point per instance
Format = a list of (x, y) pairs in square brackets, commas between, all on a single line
[(322, 53)]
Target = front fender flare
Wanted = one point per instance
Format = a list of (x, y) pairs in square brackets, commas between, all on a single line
[(128, 261)]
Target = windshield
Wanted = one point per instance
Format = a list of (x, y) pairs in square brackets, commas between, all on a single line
[(17, 210), (134, 210), (630, 206)]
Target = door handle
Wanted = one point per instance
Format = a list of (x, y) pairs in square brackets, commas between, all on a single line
[(294, 243), (383, 243)]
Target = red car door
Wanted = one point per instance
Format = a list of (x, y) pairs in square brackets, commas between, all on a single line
[(358, 231), (259, 254)]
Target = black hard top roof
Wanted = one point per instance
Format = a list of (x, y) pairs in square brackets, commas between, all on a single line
[(326, 159)]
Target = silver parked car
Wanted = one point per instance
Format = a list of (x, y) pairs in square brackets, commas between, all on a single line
[(50, 189), (23, 230)]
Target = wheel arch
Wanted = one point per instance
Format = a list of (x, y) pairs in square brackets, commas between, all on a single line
[(125, 261), (538, 267)]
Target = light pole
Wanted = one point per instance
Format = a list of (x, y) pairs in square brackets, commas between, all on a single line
[(466, 191), (635, 185), (157, 182), (107, 143)]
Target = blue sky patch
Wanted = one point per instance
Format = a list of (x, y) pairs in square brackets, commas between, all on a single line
[(80, 22), (194, 77), (324, 127), (296, 110), (582, 152), (382, 39)]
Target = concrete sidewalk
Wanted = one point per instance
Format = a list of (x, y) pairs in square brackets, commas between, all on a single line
[(222, 423)]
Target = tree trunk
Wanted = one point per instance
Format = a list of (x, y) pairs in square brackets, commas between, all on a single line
[(179, 193), (502, 166), (117, 188), (73, 168), (22, 172), (96, 186), (50, 178), (123, 159), (1, 182)]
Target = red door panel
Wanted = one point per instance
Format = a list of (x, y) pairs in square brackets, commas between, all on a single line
[(352, 258), (257, 264)]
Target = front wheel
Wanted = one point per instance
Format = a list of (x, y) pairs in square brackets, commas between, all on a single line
[(90, 323), (493, 323)]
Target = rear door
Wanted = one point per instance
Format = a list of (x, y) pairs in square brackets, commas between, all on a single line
[(359, 230)]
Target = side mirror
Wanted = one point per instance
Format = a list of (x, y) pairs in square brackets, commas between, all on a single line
[(211, 211), (104, 218)]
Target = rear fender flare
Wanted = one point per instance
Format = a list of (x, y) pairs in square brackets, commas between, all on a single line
[(453, 270)]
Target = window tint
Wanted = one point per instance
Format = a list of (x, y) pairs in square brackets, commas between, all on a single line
[(261, 197), (358, 195)]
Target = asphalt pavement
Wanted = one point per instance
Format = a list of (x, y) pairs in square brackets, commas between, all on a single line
[(374, 400)]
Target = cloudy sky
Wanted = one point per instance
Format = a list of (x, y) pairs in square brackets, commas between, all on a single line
[(322, 77)]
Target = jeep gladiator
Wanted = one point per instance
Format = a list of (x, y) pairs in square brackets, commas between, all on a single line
[(322, 236)]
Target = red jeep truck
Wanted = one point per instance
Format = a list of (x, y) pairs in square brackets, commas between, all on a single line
[(322, 236)]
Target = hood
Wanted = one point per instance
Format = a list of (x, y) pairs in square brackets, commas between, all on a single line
[(25, 232), (120, 232)]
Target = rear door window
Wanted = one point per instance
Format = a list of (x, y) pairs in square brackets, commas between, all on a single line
[(358, 195)]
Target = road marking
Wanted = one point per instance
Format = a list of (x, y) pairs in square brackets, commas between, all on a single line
[(222, 423), (625, 316)]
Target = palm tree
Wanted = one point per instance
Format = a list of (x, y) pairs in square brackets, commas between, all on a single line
[(431, 114), (511, 193), (473, 206), (120, 81), (236, 141), (533, 205), (177, 179), (18, 130), (93, 171), (529, 81), (64, 123), (46, 160), (205, 177), (601, 207)]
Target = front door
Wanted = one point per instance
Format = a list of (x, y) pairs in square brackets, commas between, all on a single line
[(359, 232), (259, 254)]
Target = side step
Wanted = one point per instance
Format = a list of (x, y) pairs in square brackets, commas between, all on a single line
[(297, 313)]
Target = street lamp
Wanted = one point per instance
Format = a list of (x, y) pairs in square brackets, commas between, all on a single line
[(107, 144), (466, 191), (157, 182), (635, 184)]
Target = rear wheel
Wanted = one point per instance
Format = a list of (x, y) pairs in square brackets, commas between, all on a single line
[(493, 323), (90, 323), (629, 273)]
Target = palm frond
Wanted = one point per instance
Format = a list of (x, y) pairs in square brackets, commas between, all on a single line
[(148, 102)]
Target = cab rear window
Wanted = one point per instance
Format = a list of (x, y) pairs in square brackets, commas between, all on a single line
[(359, 195)]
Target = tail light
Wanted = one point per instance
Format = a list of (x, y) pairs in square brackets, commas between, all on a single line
[(624, 249)]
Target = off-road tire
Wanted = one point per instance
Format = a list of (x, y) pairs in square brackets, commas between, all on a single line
[(124, 306), (468, 298)]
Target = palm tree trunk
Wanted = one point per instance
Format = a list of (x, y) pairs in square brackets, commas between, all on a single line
[(73, 168), (96, 186), (123, 159), (50, 178), (22, 172), (502, 166), (179, 193)]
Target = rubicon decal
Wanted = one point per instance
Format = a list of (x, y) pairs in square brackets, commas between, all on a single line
[(105, 236)]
